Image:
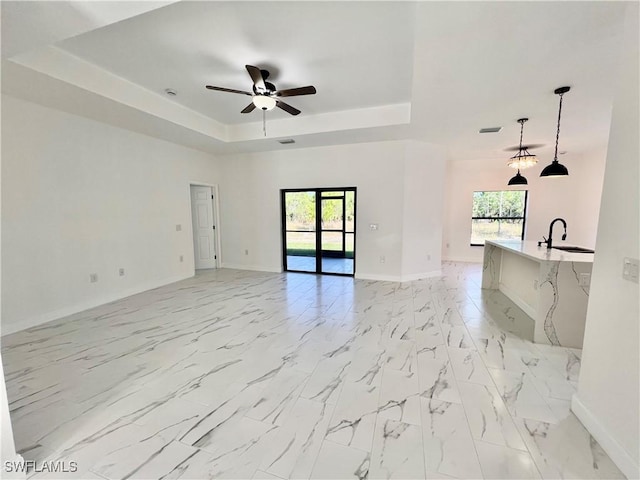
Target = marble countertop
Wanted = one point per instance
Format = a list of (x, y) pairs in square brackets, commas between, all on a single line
[(541, 254)]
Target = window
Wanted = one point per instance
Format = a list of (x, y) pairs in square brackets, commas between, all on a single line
[(498, 216)]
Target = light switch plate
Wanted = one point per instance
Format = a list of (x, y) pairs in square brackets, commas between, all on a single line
[(630, 269), (373, 226)]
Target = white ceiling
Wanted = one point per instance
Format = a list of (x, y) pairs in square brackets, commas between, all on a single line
[(433, 71)]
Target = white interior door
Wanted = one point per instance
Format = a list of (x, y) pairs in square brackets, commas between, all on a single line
[(204, 244)]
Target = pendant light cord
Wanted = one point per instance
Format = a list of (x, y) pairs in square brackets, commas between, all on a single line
[(555, 156), (521, 129)]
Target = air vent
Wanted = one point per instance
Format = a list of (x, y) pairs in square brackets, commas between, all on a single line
[(490, 130), (287, 141)]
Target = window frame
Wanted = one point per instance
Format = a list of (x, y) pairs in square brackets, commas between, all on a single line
[(523, 218)]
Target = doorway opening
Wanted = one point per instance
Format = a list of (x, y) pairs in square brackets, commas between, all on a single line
[(203, 219), (319, 230)]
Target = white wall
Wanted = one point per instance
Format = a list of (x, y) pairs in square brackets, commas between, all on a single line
[(7, 444), (82, 197), (575, 198), (423, 205), (250, 205), (608, 401)]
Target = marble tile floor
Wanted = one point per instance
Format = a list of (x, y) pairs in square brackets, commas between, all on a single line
[(235, 374)]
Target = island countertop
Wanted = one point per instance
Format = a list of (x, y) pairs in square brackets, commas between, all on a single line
[(531, 250)]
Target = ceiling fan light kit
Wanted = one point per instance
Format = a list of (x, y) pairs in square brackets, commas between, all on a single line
[(264, 102)]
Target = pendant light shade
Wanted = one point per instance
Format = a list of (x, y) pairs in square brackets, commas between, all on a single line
[(523, 159), (518, 179), (556, 169)]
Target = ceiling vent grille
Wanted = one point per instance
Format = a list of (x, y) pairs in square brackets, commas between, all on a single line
[(490, 130), (287, 141)]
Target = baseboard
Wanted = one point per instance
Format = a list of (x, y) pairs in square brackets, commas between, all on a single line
[(253, 268), (462, 259), (618, 454), (8, 329), (420, 276), (377, 278), (397, 278)]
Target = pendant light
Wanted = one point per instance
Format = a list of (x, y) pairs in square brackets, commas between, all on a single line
[(555, 168), (518, 179), (522, 159)]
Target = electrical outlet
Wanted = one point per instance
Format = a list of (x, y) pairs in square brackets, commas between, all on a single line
[(182, 258), (382, 259), (121, 272), (178, 228), (584, 279), (93, 278), (373, 226)]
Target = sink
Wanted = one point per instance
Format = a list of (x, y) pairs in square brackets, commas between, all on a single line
[(567, 248)]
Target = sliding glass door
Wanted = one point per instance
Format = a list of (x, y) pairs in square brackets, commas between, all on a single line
[(319, 230)]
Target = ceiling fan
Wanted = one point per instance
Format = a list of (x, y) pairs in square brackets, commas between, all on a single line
[(265, 95)]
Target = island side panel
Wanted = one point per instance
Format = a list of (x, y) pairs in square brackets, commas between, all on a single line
[(562, 308), (491, 266)]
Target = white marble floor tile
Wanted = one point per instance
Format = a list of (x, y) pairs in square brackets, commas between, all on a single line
[(326, 381), (468, 366), (437, 379), (488, 417), (448, 445), (354, 417), (521, 397), (295, 446), (401, 355), (238, 374), (397, 451), (400, 397), (566, 450), (278, 398), (341, 462), (502, 462), (366, 367)]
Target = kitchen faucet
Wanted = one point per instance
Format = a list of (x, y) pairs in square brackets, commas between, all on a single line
[(548, 241)]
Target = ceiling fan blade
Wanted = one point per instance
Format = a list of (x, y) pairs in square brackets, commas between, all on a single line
[(256, 76), (287, 108), (249, 108), (230, 90), (292, 92)]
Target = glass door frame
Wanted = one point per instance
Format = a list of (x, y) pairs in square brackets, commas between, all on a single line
[(318, 224)]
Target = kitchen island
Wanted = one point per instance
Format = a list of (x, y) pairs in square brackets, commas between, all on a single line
[(550, 286)]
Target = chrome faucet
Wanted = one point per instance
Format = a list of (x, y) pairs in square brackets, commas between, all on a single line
[(549, 241)]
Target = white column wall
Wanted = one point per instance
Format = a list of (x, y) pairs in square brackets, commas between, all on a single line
[(608, 399)]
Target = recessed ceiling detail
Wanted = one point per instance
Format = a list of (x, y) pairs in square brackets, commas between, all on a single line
[(383, 70)]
